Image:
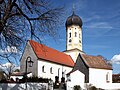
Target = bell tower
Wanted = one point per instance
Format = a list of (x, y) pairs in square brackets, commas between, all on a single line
[(73, 36)]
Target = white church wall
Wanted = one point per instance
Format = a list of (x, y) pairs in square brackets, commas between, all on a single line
[(99, 76), (73, 55), (77, 78), (56, 70)]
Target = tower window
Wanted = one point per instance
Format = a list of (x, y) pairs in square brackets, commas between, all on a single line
[(43, 69), (75, 34), (51, 70), (80, 41), (58, 72), (70, 40), (69, 35)]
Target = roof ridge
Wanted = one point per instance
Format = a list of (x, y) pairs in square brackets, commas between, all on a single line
[(48, 47)]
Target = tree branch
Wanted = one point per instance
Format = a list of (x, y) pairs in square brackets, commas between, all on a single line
[(28, 6)]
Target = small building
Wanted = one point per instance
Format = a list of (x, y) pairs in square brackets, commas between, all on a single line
[(94, 69)]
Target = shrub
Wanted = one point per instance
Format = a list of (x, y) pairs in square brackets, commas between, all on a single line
[(93, 88), (77, 87)]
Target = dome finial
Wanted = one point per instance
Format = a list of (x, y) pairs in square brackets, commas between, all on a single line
[(73, 9), (73, 19)]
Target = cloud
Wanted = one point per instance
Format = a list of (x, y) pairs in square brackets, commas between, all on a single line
[(116, 59), (9, 49), (8, 65), (99, 25)]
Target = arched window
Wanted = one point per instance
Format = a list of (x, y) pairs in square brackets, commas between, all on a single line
[(80, 41), (58, 72), (108, 77), (70, 41), (69, 35), (51, 70), (79, 35), (75, 34), (43, 69)]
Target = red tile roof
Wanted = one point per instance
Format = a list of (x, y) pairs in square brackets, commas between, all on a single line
[(95, 62), (52, 55)]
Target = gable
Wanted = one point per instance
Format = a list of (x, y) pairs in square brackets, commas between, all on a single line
[(82, 67), (28, 51), (49, 54)]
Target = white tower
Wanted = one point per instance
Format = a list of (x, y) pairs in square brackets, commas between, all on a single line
[(73, 36)]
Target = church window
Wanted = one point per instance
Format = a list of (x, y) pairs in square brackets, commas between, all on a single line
[(51, 70), (69, 35), (79, 35), (75, 34), (58, 72), (70, 40), (108, 77), (43, 69), (80, 41)]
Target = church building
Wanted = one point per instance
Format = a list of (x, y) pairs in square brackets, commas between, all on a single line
[(73, 64)]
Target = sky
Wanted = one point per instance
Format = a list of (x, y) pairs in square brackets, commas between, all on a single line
[(101, 28)]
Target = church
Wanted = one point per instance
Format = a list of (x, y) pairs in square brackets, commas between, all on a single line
[(73, 64)]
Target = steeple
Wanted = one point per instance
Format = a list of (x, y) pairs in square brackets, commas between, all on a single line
[(73, 35), (73, 8), (74, 32)]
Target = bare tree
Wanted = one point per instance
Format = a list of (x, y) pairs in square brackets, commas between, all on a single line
[(20, 19), (8, 69)]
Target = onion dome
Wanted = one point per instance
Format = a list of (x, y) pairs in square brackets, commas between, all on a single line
[(73, 20)]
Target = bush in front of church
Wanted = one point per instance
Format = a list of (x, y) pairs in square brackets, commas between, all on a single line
[(77, 87)]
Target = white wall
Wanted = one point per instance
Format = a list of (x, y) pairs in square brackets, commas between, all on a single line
[(110, 86), (73, 54), (77, 78), (14, 77), (55, 68), (98, 76)]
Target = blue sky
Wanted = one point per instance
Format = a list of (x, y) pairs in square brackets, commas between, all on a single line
[(101, 27)]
